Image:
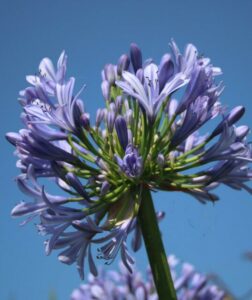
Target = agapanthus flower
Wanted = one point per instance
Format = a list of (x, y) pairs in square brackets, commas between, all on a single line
[(148, 137), (120, 285)]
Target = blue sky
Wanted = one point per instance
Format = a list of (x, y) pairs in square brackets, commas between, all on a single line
[(93, 33)]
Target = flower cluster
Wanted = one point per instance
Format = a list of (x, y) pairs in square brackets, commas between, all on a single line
[(120, 285), (146, 137)]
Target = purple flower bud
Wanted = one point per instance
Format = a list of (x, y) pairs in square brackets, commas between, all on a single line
[(129, 116), (118, 103), (105, 187), (100, 163), (132, 163), (166, 70), (123, 64), (121, 130), (110, 120), (105, 90), (76, 184), (234, 115), (136, 57), (110, 73), (85, 120), (13, 138), (189, 142), (99, 117)]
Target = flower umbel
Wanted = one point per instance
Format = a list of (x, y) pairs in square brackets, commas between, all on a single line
[(147, 138), (120, 285)]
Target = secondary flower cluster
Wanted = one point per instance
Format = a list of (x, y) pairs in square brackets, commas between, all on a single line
[(147, 137), (120, 285)]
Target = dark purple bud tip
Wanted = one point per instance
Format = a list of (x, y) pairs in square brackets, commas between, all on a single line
[(136, 57), (234, 116)]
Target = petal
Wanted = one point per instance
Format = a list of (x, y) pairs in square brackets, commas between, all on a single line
[(151, 82), (91, 263), (135, 84), (177, 82), (46, 69)]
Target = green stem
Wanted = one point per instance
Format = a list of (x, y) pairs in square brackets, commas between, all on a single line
[(155, 248)]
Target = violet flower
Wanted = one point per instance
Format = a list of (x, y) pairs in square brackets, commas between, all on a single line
[(120, 285), (132, 163), (149, 137), (148, 93)]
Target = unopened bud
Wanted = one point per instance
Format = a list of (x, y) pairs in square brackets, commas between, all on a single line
[(166, 70), (123, 64), (105, 90), (85, 120), (136, 57), (110, 73)]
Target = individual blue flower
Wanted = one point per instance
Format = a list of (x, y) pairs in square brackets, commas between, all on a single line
[(148, 93)]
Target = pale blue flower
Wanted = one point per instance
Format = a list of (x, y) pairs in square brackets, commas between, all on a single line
[(150, 136), (120, 285)]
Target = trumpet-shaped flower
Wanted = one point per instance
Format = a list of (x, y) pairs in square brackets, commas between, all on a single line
[(148, 92)]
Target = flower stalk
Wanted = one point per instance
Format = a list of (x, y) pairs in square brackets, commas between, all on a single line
[(155, 248)]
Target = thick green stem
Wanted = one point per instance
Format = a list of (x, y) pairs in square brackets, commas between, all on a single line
[(155, 248)]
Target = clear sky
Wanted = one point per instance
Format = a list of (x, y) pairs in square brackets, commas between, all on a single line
[(93, 33)]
